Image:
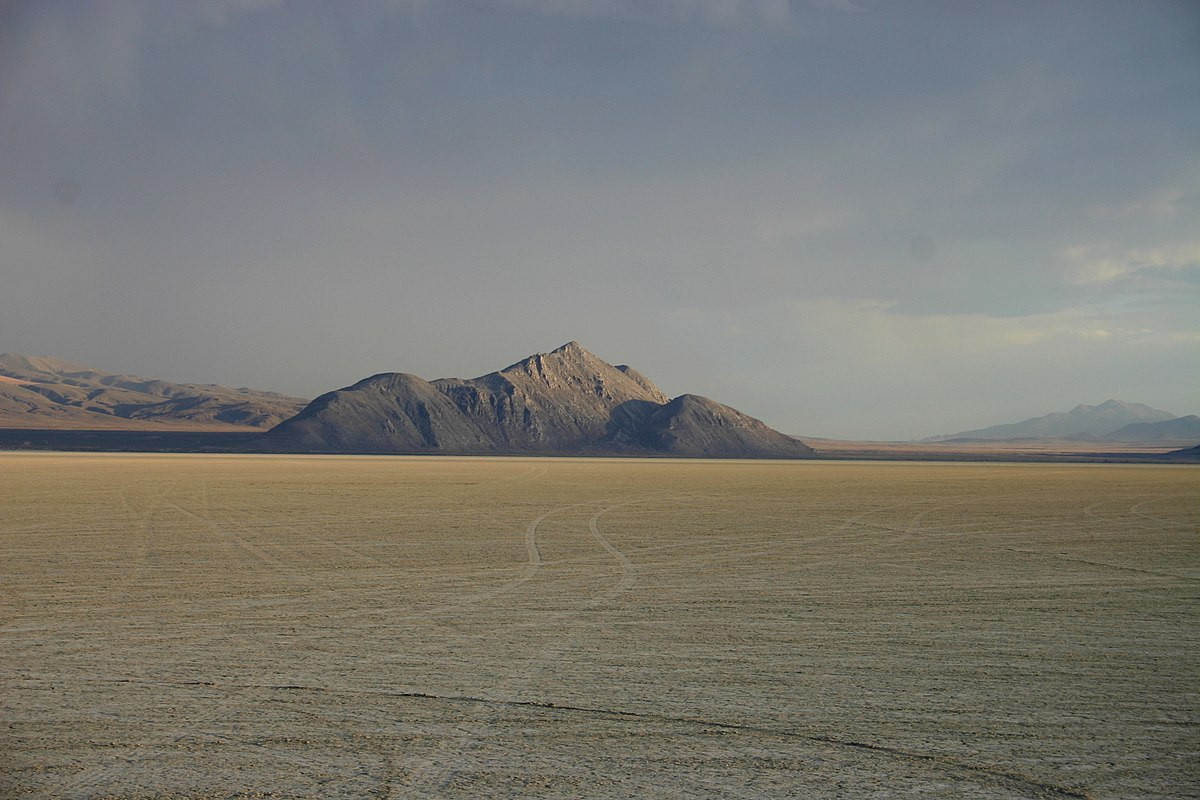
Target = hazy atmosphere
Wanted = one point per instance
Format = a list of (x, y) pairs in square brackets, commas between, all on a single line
[(848, 218)]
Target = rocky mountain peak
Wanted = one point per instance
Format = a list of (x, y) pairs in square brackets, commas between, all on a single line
[(571, 357), (570, 376)]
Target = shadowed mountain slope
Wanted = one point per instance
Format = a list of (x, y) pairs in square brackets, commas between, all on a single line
[(567, 402), (694, 425), (44, 392), (390, 412)]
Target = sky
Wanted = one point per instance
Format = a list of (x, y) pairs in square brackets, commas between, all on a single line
[(849, 218)]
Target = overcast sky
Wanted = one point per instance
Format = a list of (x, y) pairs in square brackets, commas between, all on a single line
[(850, 218)]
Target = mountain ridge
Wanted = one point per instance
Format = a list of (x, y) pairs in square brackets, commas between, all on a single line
[(47, 392), (1082, 421)]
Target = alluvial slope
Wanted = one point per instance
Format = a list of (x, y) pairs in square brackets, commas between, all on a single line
[(1080, 421), (44, 392), (567, 401)]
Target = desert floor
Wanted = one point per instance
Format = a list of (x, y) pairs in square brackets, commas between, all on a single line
[(1016, 450), (257, 626)]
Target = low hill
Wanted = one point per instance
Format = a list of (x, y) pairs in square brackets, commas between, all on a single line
[(1082, 421), (564, 402), (40, 392), (1187, 454)]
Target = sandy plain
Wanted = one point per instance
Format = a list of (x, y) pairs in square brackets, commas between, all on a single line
[(1007, 450), (258, 626)]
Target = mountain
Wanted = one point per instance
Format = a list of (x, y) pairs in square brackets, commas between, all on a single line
[(1180, 429), (567, 402), (43, 392), (1080, 422)]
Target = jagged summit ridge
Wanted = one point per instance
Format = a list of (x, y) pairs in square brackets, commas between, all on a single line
[(567, 401), (570, 365)]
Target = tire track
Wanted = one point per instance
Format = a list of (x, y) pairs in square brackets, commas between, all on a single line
[(326, 542), (145, 528), (429, 777), (1123, 522), (1158, 522), (628, 570), (527, 571), (1060, 557), (255, 551), (1027, 785), (1013, 780), (533, 564)]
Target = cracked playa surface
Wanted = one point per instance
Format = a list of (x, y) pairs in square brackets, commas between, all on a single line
[(256, 626)]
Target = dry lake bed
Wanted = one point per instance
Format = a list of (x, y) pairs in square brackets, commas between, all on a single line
[(256, 626)]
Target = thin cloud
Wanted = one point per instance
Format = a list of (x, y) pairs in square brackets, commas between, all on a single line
[(1099, 265), (838, 5), (714, 12)]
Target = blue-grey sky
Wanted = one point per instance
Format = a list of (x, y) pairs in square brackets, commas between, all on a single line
[(850, 218)]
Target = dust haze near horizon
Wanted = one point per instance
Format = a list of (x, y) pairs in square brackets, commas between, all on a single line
[(847, 218)]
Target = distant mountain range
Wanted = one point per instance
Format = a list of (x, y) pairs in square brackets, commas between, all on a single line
[(567, 401), (44, 392), (1112, 420)]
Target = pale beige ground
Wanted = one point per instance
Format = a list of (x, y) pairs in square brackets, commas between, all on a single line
[(211, 626), (985, 451)]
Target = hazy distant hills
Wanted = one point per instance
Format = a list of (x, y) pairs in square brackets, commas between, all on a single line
[(43, 392), (1112, 420), (1180, 429), (567, 402)]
